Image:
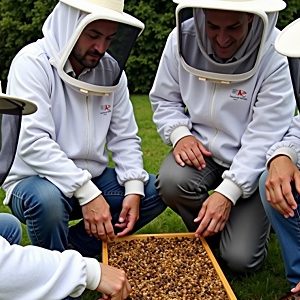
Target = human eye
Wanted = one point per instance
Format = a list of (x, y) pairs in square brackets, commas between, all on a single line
[(212, 26), (110, 38), (92, 36), (235, 27)]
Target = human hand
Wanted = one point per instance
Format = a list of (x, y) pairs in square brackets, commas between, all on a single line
[(113, 284), (97, 219), (130, 214), (296, 289), (282, 172), (213, 215), (189, 151)]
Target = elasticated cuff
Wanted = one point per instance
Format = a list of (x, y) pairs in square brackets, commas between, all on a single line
[(93, 271), (87, 193), (230, 190), (134, 187), (284, 151), (179, 133)]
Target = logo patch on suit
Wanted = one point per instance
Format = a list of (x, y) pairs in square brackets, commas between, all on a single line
[(105, 109), (238, 94)]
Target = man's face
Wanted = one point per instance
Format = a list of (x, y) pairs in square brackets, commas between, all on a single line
[(226, 31), (92, 44)]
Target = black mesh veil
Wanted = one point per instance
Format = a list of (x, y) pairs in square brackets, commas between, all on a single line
[(105, 76), (10, 122), (122, 45), (197, 50)]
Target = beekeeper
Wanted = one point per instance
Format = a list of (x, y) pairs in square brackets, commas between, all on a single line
[(280, 185), (32, 272), (75, 75), (221, 97)]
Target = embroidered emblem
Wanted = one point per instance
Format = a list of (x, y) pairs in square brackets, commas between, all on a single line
[(105, 109), (238, 94)]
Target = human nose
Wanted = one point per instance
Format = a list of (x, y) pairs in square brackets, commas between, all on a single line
[(223, 38), (101, 46)]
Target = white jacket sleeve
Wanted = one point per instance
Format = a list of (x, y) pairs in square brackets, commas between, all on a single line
[(290, 145), (37, 146), (169, 111), (31, 272), (125, 144)]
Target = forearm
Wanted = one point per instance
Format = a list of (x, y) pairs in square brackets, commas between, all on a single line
[(35, 273)]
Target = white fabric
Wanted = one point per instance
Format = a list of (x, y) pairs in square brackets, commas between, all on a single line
[(288, 42), (66, 140), (110, 9), (238, 5), (238, 122), (31, 272), (60, 43), (290, 145), (89, 5)]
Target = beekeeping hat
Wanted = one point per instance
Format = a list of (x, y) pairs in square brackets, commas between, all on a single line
[(237, 5), (11, 111), (112, 9), (74, 16), (288, 41), (9, 104), (196, 52)]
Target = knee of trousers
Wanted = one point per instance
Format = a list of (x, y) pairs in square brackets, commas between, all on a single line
[(49, 208), (172, 187), (11, 227), (242, 262)]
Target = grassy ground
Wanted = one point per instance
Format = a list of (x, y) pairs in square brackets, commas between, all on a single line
[(267, 284)]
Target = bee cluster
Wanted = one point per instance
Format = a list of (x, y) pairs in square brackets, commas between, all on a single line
[(167, 268)]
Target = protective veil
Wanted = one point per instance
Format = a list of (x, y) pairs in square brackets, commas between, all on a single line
[(64, 26), (11, 110), (195, 50)]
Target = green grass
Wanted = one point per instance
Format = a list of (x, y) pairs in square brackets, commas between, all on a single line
[(267, 284)]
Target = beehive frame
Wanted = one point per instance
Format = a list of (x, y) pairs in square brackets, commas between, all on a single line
[(210, 255)]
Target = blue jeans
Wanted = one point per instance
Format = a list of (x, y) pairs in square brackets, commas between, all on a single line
[(46, 211), (10, 228), (288, 233)]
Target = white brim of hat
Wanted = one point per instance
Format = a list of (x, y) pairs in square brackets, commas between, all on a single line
[(288, 41), (110, 14), (27, 106), (236, 5)]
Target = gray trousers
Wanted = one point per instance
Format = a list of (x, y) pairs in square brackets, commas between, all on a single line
[(243, 241)]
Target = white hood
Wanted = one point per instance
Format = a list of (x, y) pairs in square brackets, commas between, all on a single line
[(61, 31)]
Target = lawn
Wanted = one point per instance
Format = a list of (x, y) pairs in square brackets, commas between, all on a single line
[(267, 284)]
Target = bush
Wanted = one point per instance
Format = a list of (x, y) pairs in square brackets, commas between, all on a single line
[(143, 62), (21, 22), (290, 13)]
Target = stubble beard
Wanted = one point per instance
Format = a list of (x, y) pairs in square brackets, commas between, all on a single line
[(85, 61)]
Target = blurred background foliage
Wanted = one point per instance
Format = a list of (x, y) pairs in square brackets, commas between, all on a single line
[(21, 22)]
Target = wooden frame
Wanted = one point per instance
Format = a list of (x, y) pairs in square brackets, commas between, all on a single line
[(213, 260)]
